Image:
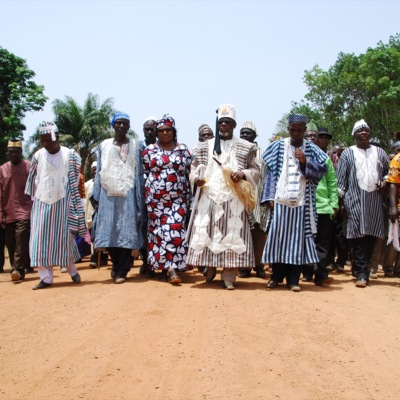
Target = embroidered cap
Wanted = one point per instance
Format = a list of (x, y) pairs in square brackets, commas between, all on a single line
[(48, 128), (226, 111), (359, 125), (297, 118), (249, 125), (311, 126), (14, 143)]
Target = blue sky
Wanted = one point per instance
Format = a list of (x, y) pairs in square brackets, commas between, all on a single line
[(187, 57)]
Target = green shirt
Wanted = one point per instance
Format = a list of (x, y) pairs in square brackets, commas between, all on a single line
[(327, 191)]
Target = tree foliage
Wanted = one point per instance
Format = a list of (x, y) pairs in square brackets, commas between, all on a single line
[(18, 94), (82, 128), (364, 86)]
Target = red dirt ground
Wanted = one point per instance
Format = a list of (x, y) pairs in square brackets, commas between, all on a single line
[(146, 339)]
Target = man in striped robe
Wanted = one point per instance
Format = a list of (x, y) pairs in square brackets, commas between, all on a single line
[(361, 171), (221, 235), (295, 167), (57, 211), (259, 215)]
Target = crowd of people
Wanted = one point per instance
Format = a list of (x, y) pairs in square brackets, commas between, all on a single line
[(300, 209)]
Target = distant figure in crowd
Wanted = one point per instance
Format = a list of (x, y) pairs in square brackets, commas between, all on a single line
[(338, 150), (89, 216), (391, 264), (83, 243), (221, 235), (150, 135), (118, 189), (167, 192), (15, 209), (295, 166), (311, 132), (327, 203), (259, 215), (149, 130), (361, 170), (205, 133), (57, 212)]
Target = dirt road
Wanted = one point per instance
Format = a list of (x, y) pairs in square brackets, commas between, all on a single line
[(147, 339)]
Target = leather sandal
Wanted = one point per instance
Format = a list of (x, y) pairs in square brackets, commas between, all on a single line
[(173, 277)]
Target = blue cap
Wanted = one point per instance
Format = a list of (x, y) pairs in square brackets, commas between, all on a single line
[(293, 118), (119, 115)]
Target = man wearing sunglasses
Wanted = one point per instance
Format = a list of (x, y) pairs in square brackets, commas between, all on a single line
[(221, 236)]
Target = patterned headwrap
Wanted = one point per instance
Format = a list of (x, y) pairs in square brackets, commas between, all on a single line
[(48, 128), (299, 118), (359, 125), (119, 115), (166, 120)]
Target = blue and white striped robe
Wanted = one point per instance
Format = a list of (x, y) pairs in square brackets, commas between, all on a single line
[(291, 237)]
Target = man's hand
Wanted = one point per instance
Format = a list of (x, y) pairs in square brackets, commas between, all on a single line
[(270, 204), (300, 156), (199, 182), (237, 176)]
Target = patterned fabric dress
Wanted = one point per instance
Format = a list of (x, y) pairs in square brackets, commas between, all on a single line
[(53, 224), (167, 195)]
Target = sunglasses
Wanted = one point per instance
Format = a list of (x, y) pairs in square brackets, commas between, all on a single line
[(225, 121)]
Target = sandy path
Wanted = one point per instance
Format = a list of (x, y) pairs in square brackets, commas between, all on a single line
[(147, 339)]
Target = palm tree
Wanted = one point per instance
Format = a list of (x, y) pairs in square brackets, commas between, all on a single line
[(83, 128)]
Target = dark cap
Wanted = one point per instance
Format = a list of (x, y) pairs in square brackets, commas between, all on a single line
[(324, 131)]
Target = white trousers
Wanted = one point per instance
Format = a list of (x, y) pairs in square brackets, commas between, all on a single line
[(46, 273)]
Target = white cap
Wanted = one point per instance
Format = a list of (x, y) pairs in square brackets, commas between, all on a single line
[(358, 125), (226, 111), (250, 125), (151, 118)]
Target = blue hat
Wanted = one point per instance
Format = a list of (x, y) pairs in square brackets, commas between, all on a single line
[(119, 115), (293, 118)]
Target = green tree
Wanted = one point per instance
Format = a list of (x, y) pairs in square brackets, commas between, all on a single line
[(18, 94), (82, 128), (364, 86)]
